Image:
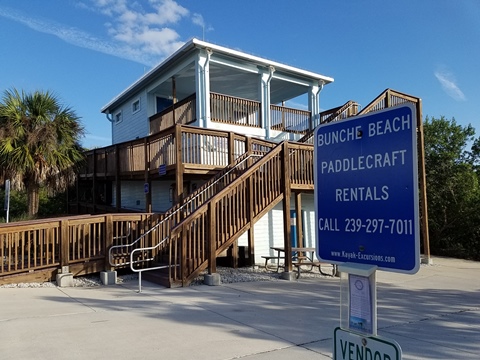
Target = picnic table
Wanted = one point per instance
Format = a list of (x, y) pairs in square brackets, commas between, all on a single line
[(301, 256)]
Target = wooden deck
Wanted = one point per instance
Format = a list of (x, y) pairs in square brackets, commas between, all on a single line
[(37, 250), (255, 176)]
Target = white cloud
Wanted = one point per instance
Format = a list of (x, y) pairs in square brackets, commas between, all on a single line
[(449, 85), (142, 32), (197, 19), (68, 34)]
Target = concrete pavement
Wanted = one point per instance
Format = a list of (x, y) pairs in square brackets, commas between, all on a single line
[(434, 314)]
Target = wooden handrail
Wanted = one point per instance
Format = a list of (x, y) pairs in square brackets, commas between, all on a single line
[(350, 108), (289, 119), (226, 216), (388, 98)]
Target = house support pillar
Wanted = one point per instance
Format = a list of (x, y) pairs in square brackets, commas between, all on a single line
[(118, 185), (314, 104), (250, 199), (265, 78), (94, 183), (202, 87)]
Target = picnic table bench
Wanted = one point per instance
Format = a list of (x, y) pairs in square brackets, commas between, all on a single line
[(301, 256), (312, 264), (268, 258)]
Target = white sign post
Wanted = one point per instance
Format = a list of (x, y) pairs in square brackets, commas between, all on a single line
[(7, 199)]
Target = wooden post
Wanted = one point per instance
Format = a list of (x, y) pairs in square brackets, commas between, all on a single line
[(94, 181), (250, 214), (231, 147), (211, 239), (183, 255), (387, 99), (64, 243), (174, 98), (148, 182), (118, 189), (248, 147), (251, 230), (234, 254), (423, 183), (108, 242), (178, 165), (286, 208)]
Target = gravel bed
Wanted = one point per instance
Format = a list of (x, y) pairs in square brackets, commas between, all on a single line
[(227, 276)]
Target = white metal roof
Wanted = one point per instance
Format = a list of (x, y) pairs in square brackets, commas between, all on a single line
[(188, 50)]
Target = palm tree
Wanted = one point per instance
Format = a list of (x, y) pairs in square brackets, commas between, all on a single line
[(39, 143)]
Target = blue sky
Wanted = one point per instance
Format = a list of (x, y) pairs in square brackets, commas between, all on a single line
[(88, 51)]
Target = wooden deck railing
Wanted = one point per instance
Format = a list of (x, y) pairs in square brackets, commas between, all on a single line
[(301, 166), (213, 149), (290, 120), (233, 110), (37, 250), (182, 112)]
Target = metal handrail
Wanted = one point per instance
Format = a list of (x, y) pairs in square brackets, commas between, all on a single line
[(110, 257), (150, 259)]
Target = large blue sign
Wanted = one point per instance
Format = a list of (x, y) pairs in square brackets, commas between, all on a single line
[(366, 190)]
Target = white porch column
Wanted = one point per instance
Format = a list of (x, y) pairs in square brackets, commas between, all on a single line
[(314, 103), (202, 87), (265, 78)]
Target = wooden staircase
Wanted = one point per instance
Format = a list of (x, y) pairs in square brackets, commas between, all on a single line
[(149, 253)]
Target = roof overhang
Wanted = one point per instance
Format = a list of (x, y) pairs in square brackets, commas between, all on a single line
[(227, 67)]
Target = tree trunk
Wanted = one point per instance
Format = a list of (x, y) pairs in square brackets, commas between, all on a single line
[(33, 199)]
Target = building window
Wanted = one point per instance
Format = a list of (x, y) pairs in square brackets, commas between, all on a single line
[(118, 117), (136, 106)]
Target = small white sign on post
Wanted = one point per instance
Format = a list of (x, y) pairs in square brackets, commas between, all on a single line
[(349, 345)]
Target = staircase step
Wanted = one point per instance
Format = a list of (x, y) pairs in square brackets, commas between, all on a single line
[(159, 276)]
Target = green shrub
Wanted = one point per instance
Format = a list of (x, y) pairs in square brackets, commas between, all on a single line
[(49, 206)]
